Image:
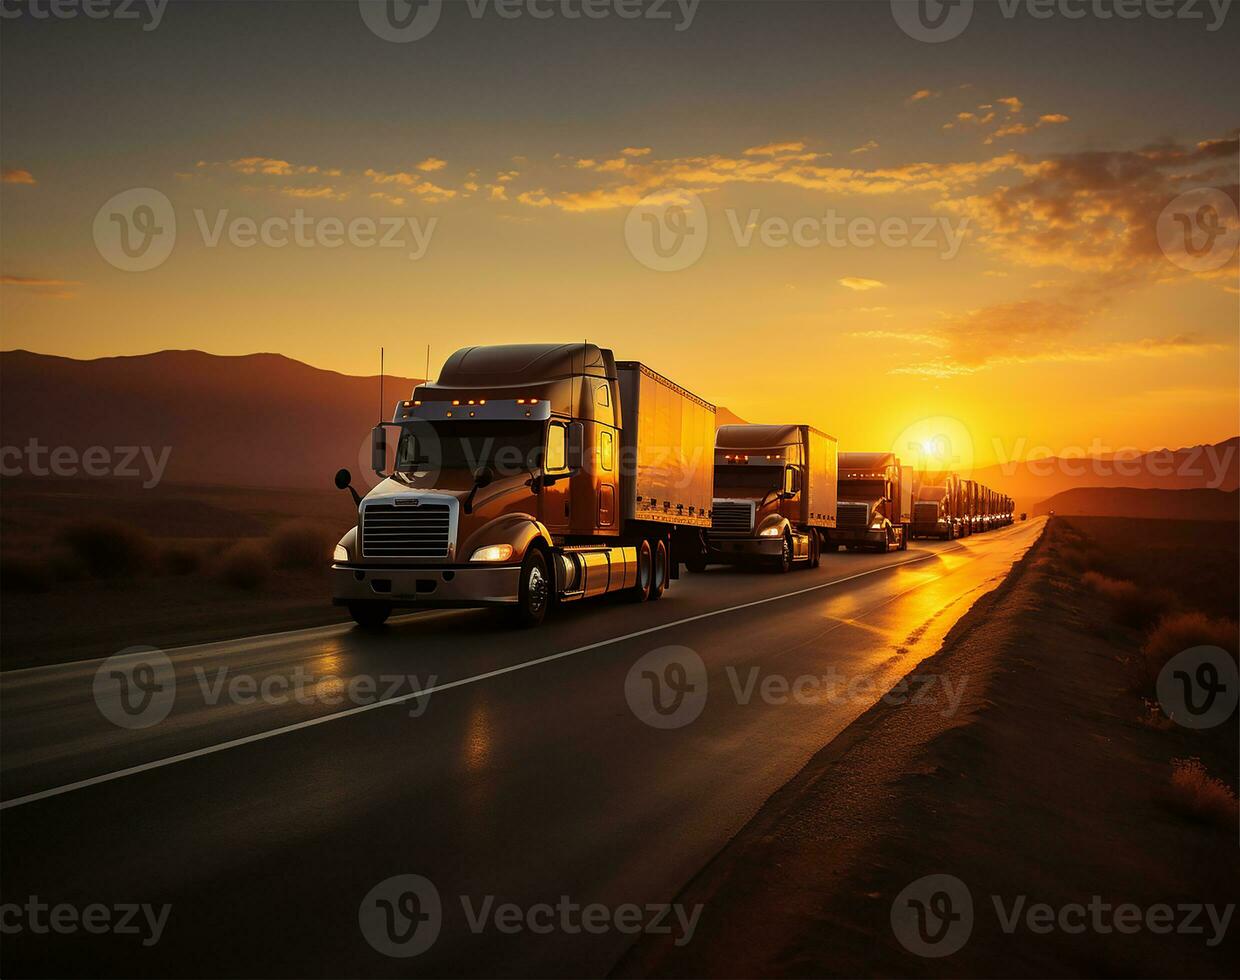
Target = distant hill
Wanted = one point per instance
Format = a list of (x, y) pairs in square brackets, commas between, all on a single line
[(1215, 467), (725, 417), (260, 420), (1188, 505), (257, 420)]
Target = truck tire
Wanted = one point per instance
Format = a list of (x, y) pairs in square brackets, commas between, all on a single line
[(815, 550), (370, 615), (662, 570), (883, 546), (533, 590), (696, 564), (784, 562), (645, 573)]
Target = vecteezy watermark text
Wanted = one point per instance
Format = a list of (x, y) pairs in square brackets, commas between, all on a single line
[(125, 462), (401, 917), (151, 12), (1211, 464), (64, 919)]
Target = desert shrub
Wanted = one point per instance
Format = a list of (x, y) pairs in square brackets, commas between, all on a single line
[(1201, 797), (179, 560), (245, 565), (108, 548), (18, 574), (1131, 604), (1180, 631), (300, 544)]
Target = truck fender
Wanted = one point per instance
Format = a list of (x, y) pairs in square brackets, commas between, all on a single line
[(518, 530)]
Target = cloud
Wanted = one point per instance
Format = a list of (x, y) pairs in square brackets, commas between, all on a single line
[(929, 340), (412, 183), (866, 147), (323, 192), (43, 286), (14, 175), (635, 151), (1014, 105), (922, 95), (271, 167), (860, 285), (775, 149), (431, 164)]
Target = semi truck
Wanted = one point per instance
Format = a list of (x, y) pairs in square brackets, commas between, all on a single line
[(775, 495), (526, 476), (875, 503), (936, 506)]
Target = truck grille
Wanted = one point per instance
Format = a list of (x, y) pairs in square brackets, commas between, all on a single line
[(853, 515), (406, 531), (731, 518), (925, 513)]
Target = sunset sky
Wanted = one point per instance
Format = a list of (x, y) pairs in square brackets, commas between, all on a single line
[(1055, 321)]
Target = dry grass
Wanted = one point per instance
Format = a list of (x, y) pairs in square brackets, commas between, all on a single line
[(245, 565), (300, 544), (1201, 797), (108, 548), (1180, 631), (1131, 605)]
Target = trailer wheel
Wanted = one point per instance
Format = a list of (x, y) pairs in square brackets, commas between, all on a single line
[(662, 570), (534, 590), (904, 539), (815, 550), (369, 615), (696, 564), (645, 573)]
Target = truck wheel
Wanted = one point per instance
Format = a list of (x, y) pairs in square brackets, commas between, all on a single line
[(883, 546), (904, 540), (369, 615), (533, 591), (645, 573), (696, 564), (662, 569), (784, 562), (815, 550)]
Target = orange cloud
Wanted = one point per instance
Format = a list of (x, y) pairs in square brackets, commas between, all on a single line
[(431, 164), (922, 95), (860, 285), (15, 175)]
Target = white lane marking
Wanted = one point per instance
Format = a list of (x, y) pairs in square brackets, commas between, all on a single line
[(427, 692)]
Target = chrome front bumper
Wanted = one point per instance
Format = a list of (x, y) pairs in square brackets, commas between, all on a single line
[(727, 549), (433, 587)]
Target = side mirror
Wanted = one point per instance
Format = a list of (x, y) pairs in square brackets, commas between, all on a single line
[(378, 449), (792, 480), (576, 445), (344, 481), (483, 476)]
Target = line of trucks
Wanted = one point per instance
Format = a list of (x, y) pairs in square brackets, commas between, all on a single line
[(537, 474)]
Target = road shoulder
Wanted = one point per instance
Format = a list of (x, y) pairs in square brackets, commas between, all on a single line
[(1043, 783)]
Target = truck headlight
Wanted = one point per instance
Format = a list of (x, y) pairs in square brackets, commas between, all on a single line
[(340, 554), (493, 552), (774, 531), (876, 526)]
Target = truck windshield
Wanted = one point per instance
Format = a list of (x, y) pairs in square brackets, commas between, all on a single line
[(862, 490), (760, 478), (509, 448)]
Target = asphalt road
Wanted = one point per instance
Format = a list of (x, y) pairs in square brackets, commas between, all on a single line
[(256, 820)]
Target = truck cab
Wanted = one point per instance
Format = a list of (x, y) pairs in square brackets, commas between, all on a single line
[(522, 478), (874, 503), (774, 495), (935, 503)]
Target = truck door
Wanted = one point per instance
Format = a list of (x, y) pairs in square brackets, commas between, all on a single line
[(553, 501)]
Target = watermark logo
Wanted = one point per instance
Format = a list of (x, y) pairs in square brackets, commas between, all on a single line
[(145, 921), (667, 232), (401, 916), (121, 462), (136, 687), (1199, 687), (401, 21), (932, 21), (136, 229), (933, 916), (667, 687), (1199, 230)]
